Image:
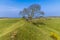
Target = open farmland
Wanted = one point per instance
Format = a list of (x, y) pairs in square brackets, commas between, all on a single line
[(28, 31)]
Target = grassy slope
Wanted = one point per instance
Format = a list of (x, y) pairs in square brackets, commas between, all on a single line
[(28, 31)]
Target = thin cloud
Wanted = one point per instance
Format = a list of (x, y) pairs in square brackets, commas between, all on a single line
[(8, 8)]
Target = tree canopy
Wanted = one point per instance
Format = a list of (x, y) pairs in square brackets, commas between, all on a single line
[(32, 11)]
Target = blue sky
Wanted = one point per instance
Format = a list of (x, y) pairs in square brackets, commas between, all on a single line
[(11, 8)]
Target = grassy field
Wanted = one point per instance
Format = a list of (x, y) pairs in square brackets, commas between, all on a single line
[(28, 31)]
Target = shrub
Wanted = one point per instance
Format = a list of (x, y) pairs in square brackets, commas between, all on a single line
[(54, 35)]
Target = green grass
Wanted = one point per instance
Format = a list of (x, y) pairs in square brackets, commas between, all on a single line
[(28, 31)]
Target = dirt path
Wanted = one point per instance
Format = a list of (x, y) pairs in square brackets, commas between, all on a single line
[(13, 27)]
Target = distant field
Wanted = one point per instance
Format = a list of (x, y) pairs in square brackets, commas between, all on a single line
[(28, 31)]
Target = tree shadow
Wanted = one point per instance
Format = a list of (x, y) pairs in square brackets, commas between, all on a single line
[(39, 23)]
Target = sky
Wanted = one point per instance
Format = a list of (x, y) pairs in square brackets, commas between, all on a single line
[(11, 8)]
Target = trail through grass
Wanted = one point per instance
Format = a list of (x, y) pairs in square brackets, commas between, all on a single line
[(13, 27)]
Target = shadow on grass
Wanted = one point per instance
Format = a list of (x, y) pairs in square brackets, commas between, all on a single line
[(37, 24)]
